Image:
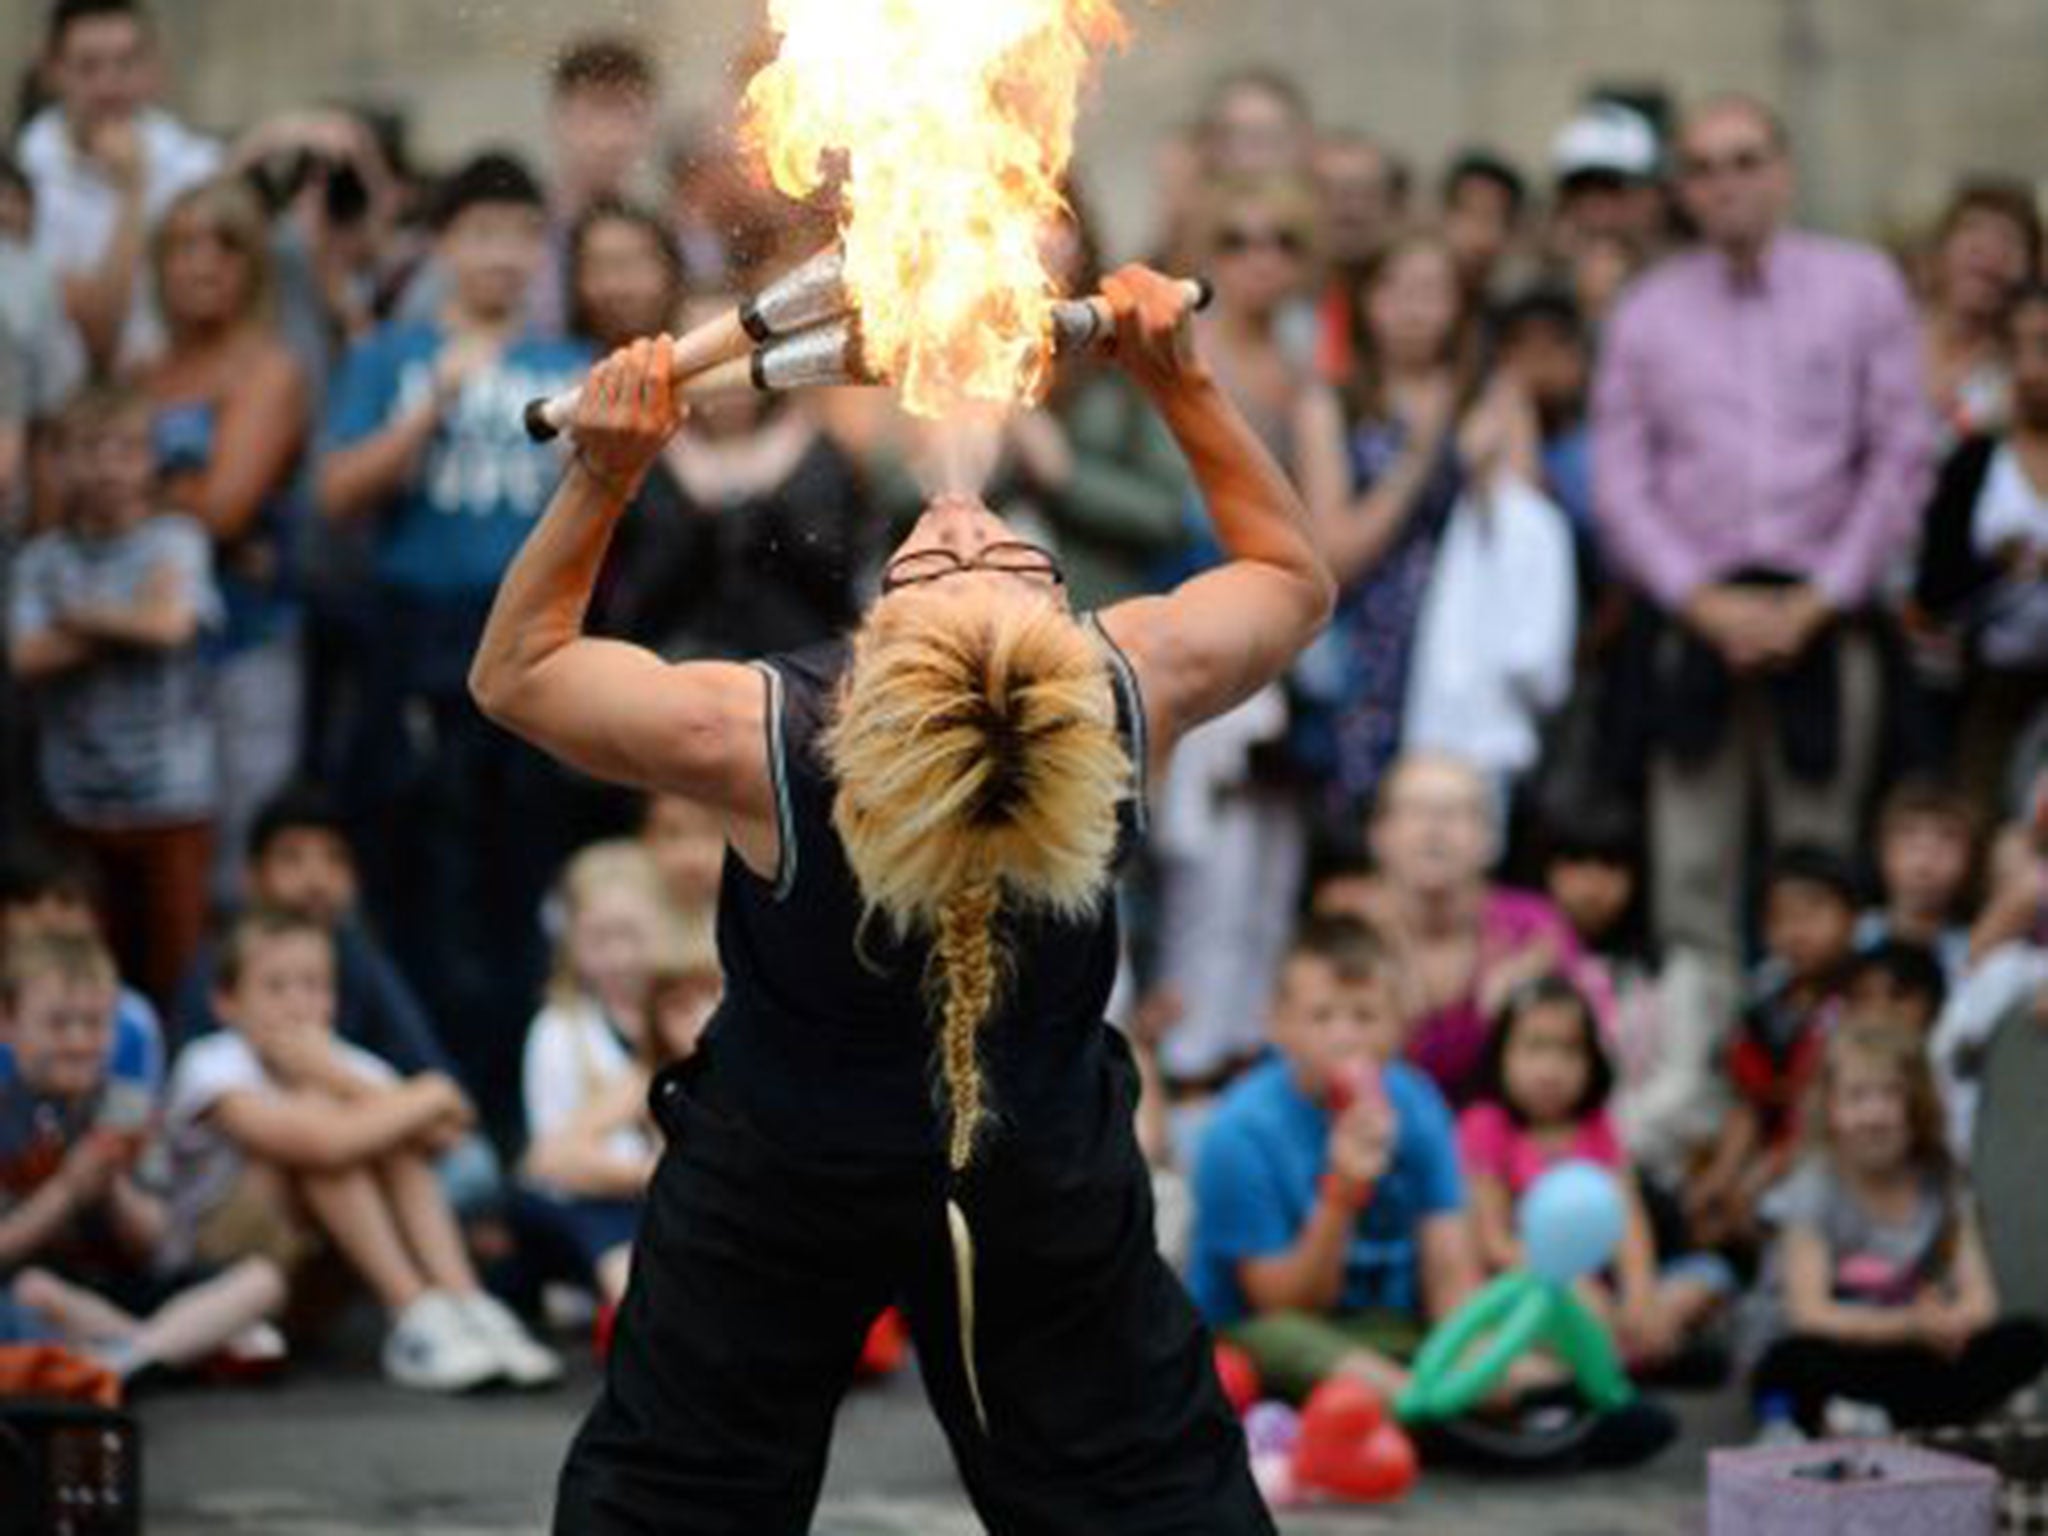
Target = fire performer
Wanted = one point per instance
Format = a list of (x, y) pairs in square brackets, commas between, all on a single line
[(924, 823)]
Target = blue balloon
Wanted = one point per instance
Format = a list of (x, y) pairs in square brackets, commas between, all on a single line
[(1571, 1221)]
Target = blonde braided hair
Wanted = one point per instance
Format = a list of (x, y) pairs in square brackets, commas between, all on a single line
[(979, 771), (966, 955)]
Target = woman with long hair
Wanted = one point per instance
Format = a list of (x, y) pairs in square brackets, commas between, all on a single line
[(232, 419), (908, 1092), (1383, 462)]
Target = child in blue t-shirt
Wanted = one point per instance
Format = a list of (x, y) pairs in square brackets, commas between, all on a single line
[(1330, 1226), (425, 450), (47, 893), (424, 436)]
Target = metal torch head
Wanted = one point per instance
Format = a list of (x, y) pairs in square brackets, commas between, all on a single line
[(800, 299), (824, 355)]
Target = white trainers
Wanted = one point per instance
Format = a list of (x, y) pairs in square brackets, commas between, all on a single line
[(522, 1361), (431, 1348)]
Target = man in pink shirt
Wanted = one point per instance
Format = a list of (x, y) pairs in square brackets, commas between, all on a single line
[(1762, 449)]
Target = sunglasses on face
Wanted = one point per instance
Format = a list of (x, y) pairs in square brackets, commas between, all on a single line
[(1744, 162), (1236, 241), (1006, 557)]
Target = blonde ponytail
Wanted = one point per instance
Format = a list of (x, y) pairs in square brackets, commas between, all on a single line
[(979, 772)]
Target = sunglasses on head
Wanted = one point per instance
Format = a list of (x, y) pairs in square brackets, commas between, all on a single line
[(1235, 241), (1005, 557)]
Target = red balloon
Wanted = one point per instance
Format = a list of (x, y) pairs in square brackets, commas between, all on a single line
[(888, 1343), (1391, 1460), (1343, 1410), (1239, 1376), (1349, 1449)]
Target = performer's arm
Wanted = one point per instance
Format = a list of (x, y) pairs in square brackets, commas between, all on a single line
[(1220, 637), (613, 710)]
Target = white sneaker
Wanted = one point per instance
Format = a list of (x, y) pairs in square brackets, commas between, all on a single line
[(432, 1349), (523, 1362), (259, 1344)]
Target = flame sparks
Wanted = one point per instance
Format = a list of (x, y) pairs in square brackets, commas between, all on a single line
[(953, 124)]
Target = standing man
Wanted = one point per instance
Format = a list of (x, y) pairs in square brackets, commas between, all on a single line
[(1762, 447), (105, 163)]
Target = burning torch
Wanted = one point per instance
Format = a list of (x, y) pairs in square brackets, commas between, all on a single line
[(803, 331)]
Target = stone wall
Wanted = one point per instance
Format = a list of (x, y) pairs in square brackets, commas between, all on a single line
[(1889, 98)]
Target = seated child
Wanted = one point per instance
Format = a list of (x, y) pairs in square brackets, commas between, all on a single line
[(1542, 1100), (1664, 1022), (45, 893), (2016, 905), (589, 1151), (1876, 1287), (78, 1233), (1898, 981), (1330, 1236), (274, 1124), (1926, 853), (1809, 921), (300, 861)]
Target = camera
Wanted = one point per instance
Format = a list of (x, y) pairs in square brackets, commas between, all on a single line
[(281, 177)]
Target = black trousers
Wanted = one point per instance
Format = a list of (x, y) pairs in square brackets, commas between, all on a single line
[(1916, 1386), (757, 1276)]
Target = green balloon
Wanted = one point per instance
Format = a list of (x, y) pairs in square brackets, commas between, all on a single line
[(1583, 1344), (1464, 1359), (1443, 1382)]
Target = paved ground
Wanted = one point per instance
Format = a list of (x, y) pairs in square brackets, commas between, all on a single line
[(343, 1455)]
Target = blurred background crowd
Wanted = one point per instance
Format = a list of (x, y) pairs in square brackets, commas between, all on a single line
[(1692, 648)]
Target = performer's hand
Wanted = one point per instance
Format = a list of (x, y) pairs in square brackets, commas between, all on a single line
[(1155, 339), (627, 412)]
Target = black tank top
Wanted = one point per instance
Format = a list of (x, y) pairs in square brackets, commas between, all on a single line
[(824, 1040)]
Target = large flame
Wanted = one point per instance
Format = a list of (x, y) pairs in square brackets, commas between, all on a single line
[(952, 124)]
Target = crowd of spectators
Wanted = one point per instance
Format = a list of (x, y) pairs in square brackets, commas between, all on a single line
[(1669, 791)]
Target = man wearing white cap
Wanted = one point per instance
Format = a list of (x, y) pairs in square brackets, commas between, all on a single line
[(1608, 165)]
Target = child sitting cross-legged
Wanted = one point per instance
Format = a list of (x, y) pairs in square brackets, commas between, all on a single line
[(1809, 927), (590, 1151), (79, 1235), (1543, 1092), (284, 1137), (1330, 1235), (1877, 1288), (1926, 854)]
